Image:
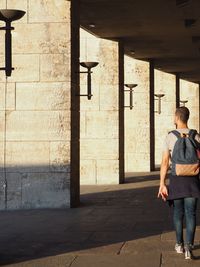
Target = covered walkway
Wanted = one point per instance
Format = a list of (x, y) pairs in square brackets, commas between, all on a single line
[(116, 225)]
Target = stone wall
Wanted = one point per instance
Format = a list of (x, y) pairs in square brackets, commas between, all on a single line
[(35, 108), (190, 91), (137, 148), (164, 122), (99, 141)]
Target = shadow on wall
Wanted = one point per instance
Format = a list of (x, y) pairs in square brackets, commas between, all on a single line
[(36, 186), (118, 214)]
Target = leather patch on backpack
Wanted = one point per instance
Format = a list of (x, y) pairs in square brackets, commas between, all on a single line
[(187, 169)]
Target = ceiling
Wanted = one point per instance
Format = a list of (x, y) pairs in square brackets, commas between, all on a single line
[(167, 31)]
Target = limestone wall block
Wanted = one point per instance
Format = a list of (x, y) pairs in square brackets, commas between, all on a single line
[(88, 172), (26, 68), (3, 4), (27, 156), (41, 38), (38, 190), (2, 191), (10, 96), (102, 124), (108, 172), (2, 146), (49, 11), (89, 46), (55, 67), (38, 125), (2, 98), (99, 149), (109, 99), (108, 68), (130, 142), (46, 190), (43, 96), (137, 162), (60, 156), (134, 121), (82, 125), (14, 191), (2, 125), (10, 99), (92, 104), (19, 4)]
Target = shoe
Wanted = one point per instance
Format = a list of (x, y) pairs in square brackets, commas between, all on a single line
[(188, 252), (179, 248)]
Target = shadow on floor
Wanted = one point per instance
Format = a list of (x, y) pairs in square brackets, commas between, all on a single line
[(108, 216)]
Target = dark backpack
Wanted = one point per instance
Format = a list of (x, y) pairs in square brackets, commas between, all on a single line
[(185, 161)]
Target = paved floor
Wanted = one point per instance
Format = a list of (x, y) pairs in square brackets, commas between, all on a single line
[(119, 225)]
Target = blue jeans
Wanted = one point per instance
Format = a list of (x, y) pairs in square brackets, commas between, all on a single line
[(185, 207)]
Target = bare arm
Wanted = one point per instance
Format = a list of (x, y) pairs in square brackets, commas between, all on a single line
[(163, 192)]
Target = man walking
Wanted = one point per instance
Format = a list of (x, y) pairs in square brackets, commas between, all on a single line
[(181, 148)]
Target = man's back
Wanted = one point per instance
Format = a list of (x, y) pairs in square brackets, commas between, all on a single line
[(171, 140)]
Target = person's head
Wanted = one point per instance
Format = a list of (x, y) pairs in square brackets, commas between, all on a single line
[(182, 115)]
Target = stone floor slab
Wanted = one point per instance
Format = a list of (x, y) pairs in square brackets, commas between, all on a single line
[(142, 260)]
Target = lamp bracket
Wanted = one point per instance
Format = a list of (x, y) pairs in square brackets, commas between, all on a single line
[(84, 72), (6, 69), (6, 28), (131, 107)]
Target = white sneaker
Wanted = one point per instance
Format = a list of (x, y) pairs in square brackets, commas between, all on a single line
[(179, 248), (188, 253)]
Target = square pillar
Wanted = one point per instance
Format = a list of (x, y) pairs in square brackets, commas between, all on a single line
[(75, 105), (101, 139), (121, 114), (39, 137), (152, 115), (165, 83), (190, 91), (137, 134)]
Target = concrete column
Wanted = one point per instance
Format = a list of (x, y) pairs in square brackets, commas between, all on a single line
[(121, 114), (165, 83), (75, 105), (39, 110), (101, 151), (190, 91), (152, 117), (137, 138)]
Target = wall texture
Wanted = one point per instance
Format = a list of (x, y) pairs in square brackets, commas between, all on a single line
[(100, 116), (164, 122), (35, 108), (190, 91), (137, 152)]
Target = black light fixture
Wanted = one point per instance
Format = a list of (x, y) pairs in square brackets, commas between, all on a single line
[(89, 66), (159, 96), (130, 90), (183, 102), (9, 15)]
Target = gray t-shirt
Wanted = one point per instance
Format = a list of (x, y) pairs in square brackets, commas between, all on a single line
[(171, 140)]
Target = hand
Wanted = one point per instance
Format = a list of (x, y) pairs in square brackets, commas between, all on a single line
[(163, 192)]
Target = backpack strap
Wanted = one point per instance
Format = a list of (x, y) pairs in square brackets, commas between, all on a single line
[(192, 133), (176, 133)]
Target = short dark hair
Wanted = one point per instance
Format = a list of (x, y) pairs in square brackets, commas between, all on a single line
[(183, 114)]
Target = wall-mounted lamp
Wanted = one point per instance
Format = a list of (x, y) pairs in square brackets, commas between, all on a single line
[(9, 15), (159, 96), (130, 90), (89, 66), (183, 102)]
